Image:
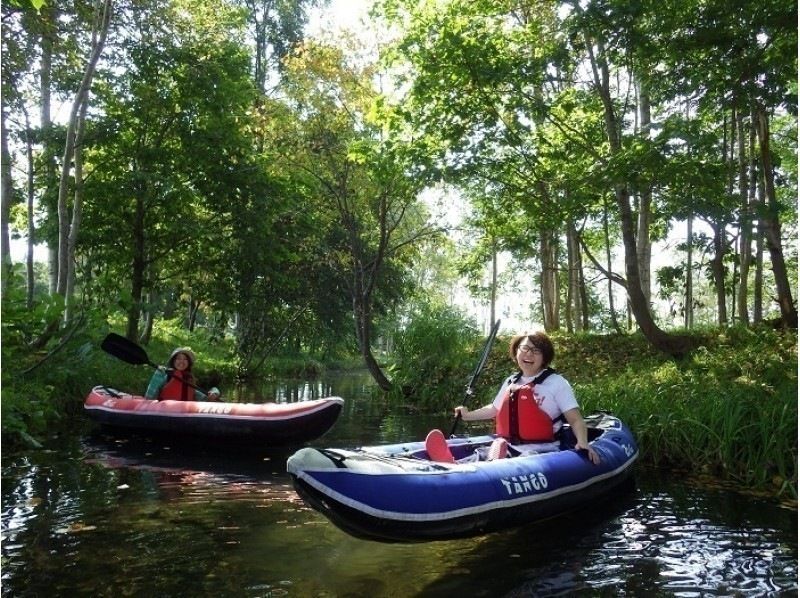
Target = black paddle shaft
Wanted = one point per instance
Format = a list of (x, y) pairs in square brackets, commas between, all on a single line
[(487, 348)]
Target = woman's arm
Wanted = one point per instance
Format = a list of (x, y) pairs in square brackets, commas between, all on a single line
[(157, 382), (575, 420), (487, 412)]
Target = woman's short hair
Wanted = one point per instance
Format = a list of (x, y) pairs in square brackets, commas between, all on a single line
[(539, 340)]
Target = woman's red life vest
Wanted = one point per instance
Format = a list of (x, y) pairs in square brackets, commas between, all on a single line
[(520, 419), (176, 389)]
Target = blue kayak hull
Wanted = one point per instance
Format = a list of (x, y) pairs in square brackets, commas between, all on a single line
[(394, 493)]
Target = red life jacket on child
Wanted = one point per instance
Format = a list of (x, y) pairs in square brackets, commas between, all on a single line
[(520, 419), (176, 389)]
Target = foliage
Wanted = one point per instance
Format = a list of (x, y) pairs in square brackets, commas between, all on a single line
[(436, 349), (729, 408), (504, 96)]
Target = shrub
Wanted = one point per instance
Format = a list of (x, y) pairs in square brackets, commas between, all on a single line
[(433, 354)]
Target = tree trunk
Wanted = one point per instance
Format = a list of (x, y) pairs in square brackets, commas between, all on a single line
[(48, 15), (99, 33), (364, 336), (673, 345), (772, 225), (30, 279), (493, 291), (758, 282), (194, 307), (645, 216), (744, 224), (688, 307), (149, 319), (576, 294), (77, 211), (6, 198), (717, 265), (614, 322), (570, 310), (137, 268), (548, 252)]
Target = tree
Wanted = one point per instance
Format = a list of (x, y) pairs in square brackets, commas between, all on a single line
[(362, 182), (740, 55), (496, 79)]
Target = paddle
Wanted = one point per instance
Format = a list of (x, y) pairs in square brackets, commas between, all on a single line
[(129, 352), (470, 390)]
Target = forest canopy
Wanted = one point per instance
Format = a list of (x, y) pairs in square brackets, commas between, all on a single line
[(206, 162)]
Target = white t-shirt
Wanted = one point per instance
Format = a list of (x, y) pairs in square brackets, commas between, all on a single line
[(555, 393)]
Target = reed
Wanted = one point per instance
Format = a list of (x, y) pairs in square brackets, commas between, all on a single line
[(729, 409)]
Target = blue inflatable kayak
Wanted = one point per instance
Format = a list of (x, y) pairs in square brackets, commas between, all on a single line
[(394, 493)]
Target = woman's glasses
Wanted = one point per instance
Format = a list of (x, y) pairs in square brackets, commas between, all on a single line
[(529, 349)]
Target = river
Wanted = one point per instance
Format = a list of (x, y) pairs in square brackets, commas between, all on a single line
[(101, 515)]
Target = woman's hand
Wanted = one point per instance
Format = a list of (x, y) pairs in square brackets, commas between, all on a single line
[(590, 452)]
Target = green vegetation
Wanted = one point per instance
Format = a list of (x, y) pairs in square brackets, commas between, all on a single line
[(728, 409)]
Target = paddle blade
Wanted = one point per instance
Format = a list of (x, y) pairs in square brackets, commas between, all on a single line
[(124, 349)]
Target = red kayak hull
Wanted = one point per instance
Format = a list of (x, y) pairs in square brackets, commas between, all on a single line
[(273, 424)]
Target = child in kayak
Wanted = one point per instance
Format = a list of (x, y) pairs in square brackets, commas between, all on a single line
[(176, 381)]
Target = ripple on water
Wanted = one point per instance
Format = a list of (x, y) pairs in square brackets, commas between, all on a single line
[(666, 544)]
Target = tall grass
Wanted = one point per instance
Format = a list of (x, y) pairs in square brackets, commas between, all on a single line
[(729, 409), (433, 357)]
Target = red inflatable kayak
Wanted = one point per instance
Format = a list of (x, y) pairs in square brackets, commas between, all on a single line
[(269, 423)]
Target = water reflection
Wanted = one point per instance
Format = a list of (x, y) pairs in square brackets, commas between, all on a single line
[(352, 385), (106, 516)]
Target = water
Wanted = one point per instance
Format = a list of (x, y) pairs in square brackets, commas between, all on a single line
[(106, 516)]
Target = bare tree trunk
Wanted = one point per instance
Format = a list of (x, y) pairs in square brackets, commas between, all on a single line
[(744, 223), (606, 234), (99, 33), (772, 225), (758, 282), (688, 311), (364, 336), (194, 307), (30, 277), (673, 345), (48, 15), (493, 291), (147, 328), (717, 265), (6, 198), (570, 310), (137, 268), (645, 216), (77, 212), (548, 252), (720, 241), (576, 293)]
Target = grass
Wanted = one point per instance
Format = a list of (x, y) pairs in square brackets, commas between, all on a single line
[(728, 410)]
